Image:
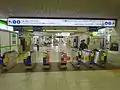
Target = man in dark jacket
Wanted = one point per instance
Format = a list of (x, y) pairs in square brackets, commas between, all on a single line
[(83, 45)]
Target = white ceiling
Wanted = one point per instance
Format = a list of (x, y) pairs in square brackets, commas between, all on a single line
[(60, 8)]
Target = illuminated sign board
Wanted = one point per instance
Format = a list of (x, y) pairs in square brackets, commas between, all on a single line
[(4, 26), (60, 22)]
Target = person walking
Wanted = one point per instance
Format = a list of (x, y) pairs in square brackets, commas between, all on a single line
[(83, 45)]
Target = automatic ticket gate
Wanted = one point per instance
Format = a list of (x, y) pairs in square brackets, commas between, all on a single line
[(46, 60), (76, 58), (63, 60), (29, 59)]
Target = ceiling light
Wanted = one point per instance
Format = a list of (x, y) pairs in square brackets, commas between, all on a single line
[(3, 19), (53, 30)]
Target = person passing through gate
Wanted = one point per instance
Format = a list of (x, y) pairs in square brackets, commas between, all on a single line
[(83, 45)]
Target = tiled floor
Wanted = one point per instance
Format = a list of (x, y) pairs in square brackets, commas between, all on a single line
[(73, 80), (61, 80)]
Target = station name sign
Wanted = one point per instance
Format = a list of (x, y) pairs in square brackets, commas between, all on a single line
[(60, 22)]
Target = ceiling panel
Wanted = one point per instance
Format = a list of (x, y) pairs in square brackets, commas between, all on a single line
[(61, 8)]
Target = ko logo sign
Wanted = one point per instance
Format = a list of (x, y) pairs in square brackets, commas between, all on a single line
[(108, 23), (16, 21)]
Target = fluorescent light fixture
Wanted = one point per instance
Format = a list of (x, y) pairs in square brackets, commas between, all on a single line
[(61, 30), (9, 28), (17, 31), (3, 19), (53, 30), (71, 30), (63, 34), (30, 30)]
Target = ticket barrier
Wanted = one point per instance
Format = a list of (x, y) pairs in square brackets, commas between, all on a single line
[(63, 60), (55, 42), (76, 58), (29, 59), (9, 60), (88, 58), (103, 58), (1, 62), (76, 62), (85, 57), (91, 58), (100, 57), (46, 60)]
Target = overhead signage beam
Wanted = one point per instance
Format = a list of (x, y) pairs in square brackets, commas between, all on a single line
[(60, 22)]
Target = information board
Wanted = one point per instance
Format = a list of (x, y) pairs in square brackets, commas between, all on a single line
[(60, 22)]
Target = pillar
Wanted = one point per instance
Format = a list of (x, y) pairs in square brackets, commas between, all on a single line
[(27, 38)]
